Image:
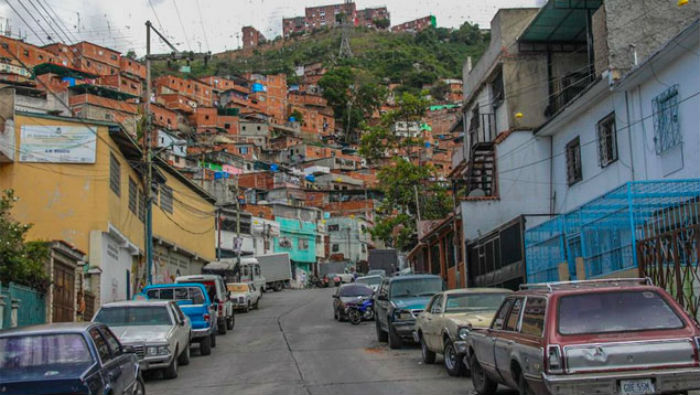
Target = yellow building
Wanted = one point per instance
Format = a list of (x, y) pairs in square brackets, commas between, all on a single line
[(80, 182)]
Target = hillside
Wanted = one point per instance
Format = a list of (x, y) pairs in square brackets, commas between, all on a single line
[(402, 58)]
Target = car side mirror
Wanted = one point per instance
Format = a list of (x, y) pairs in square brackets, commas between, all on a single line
[(382, 297), (127, 349)]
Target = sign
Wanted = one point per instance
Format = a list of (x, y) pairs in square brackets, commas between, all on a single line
[(57, 144)]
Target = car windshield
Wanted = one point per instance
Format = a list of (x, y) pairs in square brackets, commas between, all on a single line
[(134, 316), (378, 272), (355, 290), (619, 311), (20, 352), (473, 302), (369, 280), (237, 287), (193, 295), (415, 287)]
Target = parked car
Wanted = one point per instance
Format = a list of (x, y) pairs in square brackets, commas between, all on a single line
[(195, 303), (67, 358), (158, 331), (619, 336), (371, 281), (398, 302), (348, 294), (449, 316), (376, 272), (244, 295), (218, 294)]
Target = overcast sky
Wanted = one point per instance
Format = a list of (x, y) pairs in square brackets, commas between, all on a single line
[(211, 24)]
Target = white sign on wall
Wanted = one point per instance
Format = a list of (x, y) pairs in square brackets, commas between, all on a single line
[(57, 144)]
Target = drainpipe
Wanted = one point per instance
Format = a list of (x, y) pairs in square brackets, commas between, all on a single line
[(551, 176), (629, 132)]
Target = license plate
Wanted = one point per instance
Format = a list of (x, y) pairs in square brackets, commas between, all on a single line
[(636, 387)]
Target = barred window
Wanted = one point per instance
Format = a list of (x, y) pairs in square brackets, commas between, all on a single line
[(607, 140), (166, 198), (667, 132), (133, 205), (574, 172), (142, 206), (303, 244), (114, 174)]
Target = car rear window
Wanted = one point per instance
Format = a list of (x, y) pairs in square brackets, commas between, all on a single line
[(194, 295), (356, 290), (618, 311), (17, 352)]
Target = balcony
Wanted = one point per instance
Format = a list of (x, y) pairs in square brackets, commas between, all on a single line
[(482, 129)]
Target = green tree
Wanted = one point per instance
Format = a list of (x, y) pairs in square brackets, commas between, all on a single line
[(382, 23), (21, 262), (298, 116)]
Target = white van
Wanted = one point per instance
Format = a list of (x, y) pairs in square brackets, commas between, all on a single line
[(250, 272)]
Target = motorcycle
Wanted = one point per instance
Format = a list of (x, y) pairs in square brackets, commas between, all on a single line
[(362, 310)]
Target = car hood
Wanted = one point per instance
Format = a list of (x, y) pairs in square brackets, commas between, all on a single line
[(142, 333), (481, 319), (411, 303)]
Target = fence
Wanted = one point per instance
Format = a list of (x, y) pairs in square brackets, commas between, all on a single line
[(23, 306), (605, 231)]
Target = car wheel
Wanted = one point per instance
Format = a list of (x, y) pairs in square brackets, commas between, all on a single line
[(184, 358), (394, 339), (213, 340), (222, 327), (247, 308), (335, 314), (230, 322), (428, 356), (205, 346), (523, 386), (381, 335), (482, 383), (257, 302), (453, 361), (171, 371), (139, 387)]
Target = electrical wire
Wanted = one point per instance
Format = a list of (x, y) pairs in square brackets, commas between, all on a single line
[(61, 25), (201, 23), (51, 26), (184, 32), (25, 22)]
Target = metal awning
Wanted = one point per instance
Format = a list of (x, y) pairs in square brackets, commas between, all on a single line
[(62, 71), (560, 21), (101, 91)]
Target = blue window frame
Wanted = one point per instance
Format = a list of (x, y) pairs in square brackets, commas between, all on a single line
[(667, 133)]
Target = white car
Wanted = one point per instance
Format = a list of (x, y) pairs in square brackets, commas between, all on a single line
[(346, 278), (371, 281), (244, 295), (158, 331)]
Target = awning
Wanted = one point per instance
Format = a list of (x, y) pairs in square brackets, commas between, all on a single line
[(62, 71), (561, 21), (101, 91)]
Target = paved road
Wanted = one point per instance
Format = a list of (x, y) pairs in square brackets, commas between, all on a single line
[(292, 346)]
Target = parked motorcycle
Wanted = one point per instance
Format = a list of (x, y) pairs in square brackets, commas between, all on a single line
[(362, 310)]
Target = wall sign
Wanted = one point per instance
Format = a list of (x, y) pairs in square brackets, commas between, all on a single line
[(57, 144)]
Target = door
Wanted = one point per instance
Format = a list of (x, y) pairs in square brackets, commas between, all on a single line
[(182, 333), (531, 341), (433, 324), (423, 320), (111, 367), (504, 343), (63, 293), (125, 362), (484, 348)]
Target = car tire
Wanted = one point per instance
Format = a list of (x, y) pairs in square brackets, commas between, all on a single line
[(221, 328), (335, 314), (230, 322), (171, 371), (453, 361), (257, 303), (278, 287), (483, 385), (381, 335), (213, 340), (184, 358), (247, 308), (395, 342), (205, 346), (427, 355), (139, 387)]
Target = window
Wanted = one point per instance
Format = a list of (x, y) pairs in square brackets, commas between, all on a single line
[(227, 126), (666, 125), (500, 318), (607, 140), (133, 195), (497, 90), (514, 317), (111, 341), (166, 198), (113, 57), (100, 344), (533, 316), (335, 248), (243, 150), (574, 172), (142, 206), (333, 228), (436, 307), (114, 174), (26, 52), (303, 244)]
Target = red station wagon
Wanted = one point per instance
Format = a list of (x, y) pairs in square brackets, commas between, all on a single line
[(619, 336)]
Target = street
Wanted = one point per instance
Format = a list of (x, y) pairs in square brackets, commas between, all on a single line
[(292, 345)]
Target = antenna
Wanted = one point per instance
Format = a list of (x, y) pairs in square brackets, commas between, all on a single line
[(345, 50)]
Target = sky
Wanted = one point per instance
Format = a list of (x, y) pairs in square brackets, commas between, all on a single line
[(207, 25)]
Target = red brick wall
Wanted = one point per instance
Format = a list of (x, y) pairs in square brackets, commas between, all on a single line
[(132, 67), (198, 91), (163, 117), (103, 102), (204, 117), (227, 120), (261, 180), (176, 102), (251, 37), (29, 54), (98, 53), (258, 210), (122, 83)]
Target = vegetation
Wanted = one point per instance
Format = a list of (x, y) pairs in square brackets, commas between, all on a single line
[(21, 262)]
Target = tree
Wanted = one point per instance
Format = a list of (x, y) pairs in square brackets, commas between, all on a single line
[(298, 116), (439, 91), (382, 23), (22, 262), (131, 54)]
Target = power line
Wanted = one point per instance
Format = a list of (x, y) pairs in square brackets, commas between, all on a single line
[(25, 22), (58, 35), (201, 23), (60, 23), (160, 25), (184, 32)]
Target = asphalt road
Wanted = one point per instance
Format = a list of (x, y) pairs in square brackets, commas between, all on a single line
[(292, 346)]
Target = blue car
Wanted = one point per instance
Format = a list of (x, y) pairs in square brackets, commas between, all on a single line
[(398, 302), (67, 358), (193, 300)]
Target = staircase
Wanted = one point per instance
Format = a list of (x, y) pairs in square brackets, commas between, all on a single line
[(481, 170)]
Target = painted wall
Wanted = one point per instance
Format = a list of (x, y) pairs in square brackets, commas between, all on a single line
[(354, 249), (294, 230)]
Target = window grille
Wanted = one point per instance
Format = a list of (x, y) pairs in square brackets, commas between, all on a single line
[(574, 172), (142, 206), (607, 140), (114, 174), (666, 126), (133, 206), (166, 198)]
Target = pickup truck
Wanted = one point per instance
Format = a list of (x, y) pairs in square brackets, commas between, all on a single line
[(616, 336), (193, 300), (444, 326)]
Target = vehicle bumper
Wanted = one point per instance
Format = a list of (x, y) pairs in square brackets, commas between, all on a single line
[(240, 305), (461, 347), (200, 333), (665, 381), (404, 329), (155, 362)]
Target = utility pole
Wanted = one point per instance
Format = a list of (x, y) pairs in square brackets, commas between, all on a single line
[(239, 243)]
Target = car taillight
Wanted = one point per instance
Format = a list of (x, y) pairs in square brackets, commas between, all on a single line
[(221, 308), (553, 360), (206, 317)]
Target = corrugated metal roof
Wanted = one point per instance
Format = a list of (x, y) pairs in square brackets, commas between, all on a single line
[(561, 21)]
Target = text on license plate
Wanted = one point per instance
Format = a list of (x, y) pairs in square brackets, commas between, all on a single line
[(636, 387)]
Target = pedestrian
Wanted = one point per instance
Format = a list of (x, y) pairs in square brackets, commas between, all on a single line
[(302, 278)]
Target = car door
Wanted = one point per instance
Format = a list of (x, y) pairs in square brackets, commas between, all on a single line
[(111, 363), (181, 332), (531, 343), (484, 347), (505, 343), (381, 304), (433, 326), (424, 318)]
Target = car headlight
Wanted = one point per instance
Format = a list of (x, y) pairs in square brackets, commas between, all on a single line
[(402, 315), (463, 333), (158, 350)]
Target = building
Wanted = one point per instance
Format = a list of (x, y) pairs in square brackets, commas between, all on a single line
[(16, 54), (329, 16), (196, 90), (439, 251), (293, 26), (415, 25), (373, 18), (349, 237), (251, 37)]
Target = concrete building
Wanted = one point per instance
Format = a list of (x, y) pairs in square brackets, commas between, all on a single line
[(329, 16), (349, 237), (293, 26), (251, 37), (370, 16), (415, 25)]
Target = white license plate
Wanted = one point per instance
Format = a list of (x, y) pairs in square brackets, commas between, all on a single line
[(636, 387)]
